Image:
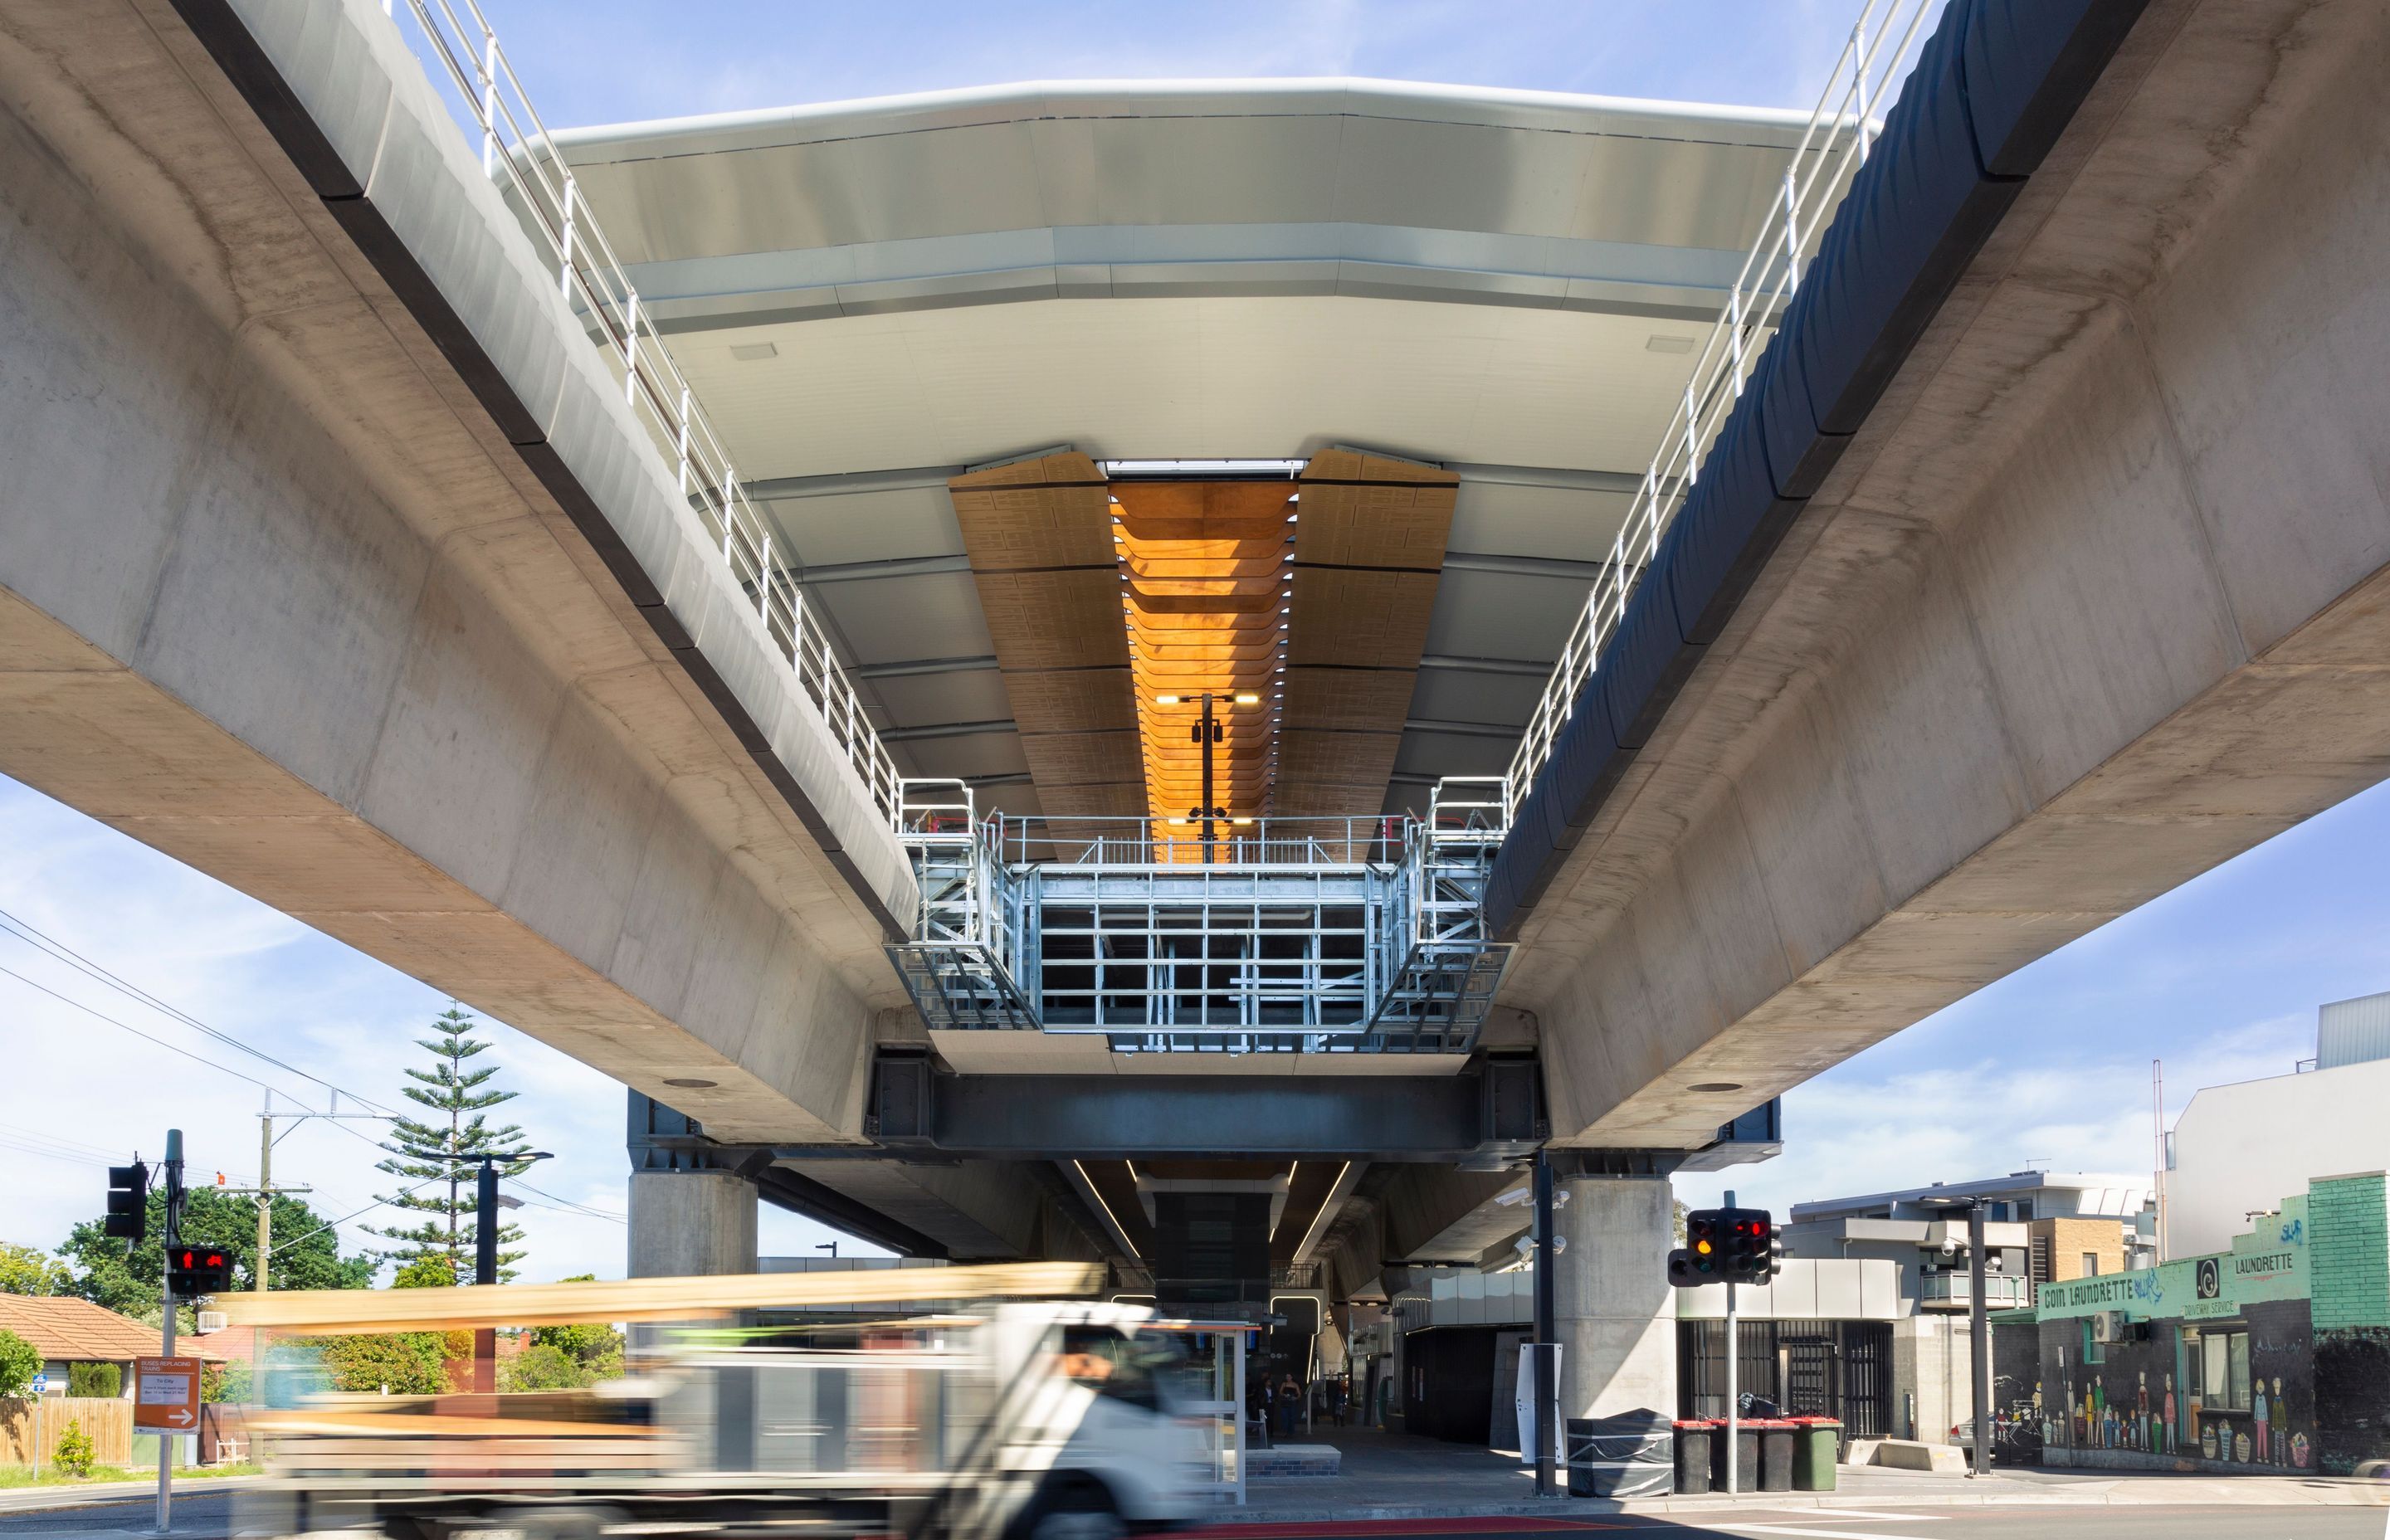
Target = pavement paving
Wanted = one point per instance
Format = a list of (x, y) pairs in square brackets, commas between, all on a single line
[(1393, 1477)]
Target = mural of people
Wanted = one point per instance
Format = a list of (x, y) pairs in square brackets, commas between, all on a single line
[(2102, 1434), (2168, 1409), (2141, 1412), (2282, 1431), (2258, 1420)]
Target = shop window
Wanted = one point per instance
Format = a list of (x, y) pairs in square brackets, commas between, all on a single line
[(2224, 1371)]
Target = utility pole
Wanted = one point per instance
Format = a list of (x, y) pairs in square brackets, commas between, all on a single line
[(1979, 1331), (265, 1189), (1547, 1388)]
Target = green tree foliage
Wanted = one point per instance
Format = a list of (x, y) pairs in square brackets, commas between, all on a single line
[(567, 1357), (73, 1455), (407, 1362), (542, 1368), (306, 1251), (233, 1383), (444, 1151), (20, 1361), (24, 1270), (96, 1381)]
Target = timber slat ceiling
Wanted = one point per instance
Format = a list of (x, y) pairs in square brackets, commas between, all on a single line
[(1368, 553), (1205, 568), (1103, 598), (1039, 533)]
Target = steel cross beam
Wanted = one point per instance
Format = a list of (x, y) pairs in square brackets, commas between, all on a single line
[(1493, 1110)]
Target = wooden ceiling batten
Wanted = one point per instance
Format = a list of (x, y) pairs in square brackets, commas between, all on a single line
[(1368, 551)]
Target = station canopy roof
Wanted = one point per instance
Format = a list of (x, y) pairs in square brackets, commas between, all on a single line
[(1489, 301)]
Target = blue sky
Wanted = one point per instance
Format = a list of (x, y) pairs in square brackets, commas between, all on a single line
[(2220, 978)]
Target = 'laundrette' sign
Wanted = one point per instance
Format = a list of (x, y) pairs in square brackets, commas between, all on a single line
[(2270, 1263)]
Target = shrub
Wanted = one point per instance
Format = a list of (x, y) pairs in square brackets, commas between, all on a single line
[(542, 1367), (20, 1361), (408, 1363), (95, 1382), (73, 1455)]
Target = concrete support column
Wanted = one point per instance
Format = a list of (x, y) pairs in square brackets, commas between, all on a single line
[(1615, 1312), (691, 1224)]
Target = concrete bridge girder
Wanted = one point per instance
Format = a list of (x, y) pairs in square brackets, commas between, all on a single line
[(278, 598), (2049, 641)]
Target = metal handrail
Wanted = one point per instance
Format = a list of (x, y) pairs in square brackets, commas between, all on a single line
[(518, 151), (1833, 145)]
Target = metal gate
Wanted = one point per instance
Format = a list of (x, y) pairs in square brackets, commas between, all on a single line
[(1840, 1370)]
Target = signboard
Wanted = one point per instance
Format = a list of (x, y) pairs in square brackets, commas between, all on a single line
[(41, 1385), (2270, 1263), (166, 1393)]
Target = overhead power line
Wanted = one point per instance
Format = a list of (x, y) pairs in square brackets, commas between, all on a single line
[(34, 936)]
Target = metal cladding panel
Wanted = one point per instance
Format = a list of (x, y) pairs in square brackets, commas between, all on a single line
[(1916, 215), (1840, 1294), (2353, 1031), (1522, 867), (2029, 64), (1586, 760), (328, 64), (1727, 528), (1799, 452), (1646, 663)]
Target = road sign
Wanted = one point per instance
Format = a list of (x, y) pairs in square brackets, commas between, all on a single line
[(41, 1385), (166, 1393)]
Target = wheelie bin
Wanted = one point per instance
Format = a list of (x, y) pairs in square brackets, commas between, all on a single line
[(1776, 1441), (1746, 1456), (1816, 1451), (1694, 1437)]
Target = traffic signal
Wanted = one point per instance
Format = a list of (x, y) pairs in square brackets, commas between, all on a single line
[(1752, 1245), (128, 1202), (195, 1270), (1726, 1246)]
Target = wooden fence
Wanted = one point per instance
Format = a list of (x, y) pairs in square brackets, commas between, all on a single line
[(30, 1428)]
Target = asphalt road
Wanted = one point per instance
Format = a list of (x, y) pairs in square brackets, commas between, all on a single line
[(207, 1516)]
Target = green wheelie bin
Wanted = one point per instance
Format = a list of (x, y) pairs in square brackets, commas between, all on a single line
[(1817, 1449)]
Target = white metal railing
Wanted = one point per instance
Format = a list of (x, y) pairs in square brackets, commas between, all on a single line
[(1833, 145), (517, 152)]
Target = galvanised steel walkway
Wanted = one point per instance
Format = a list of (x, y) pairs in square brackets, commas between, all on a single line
[(1269, 935)]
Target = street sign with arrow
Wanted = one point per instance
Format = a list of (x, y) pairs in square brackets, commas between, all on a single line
[(166, 1393)]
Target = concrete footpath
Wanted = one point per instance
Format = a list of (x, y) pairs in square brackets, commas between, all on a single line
[(33, 1499), (1393, 1476)]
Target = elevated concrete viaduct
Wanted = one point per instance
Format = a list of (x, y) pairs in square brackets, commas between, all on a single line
[(333, 563)]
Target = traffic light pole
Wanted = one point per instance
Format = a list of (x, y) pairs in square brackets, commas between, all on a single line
[(166, 1330), (1733, 1396)]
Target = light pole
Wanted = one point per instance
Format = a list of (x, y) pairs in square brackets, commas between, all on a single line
[(485, 1255)]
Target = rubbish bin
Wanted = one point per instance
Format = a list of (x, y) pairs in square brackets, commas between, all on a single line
[(1625, 1455), (1774, 1465), (1817, 1450), (1694, 1437), (1746, 1457)]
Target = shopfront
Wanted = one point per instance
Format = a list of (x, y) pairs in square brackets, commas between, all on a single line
[(2210, 1362)]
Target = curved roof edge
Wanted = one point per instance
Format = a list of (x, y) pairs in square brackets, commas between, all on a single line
[(1549, 112)]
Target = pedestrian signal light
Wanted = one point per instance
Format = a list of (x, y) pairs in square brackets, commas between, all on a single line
[(195, 1270), (128, 1202)]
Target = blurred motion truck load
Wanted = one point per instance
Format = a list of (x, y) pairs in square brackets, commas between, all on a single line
[(1024, 1421)]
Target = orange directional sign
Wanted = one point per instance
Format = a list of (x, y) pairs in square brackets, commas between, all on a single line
[(166, 1393)]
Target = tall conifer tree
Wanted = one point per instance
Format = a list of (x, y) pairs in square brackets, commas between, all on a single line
[(445, 1151)]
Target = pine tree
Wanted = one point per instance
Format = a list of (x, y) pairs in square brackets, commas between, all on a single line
[(447, 1152)]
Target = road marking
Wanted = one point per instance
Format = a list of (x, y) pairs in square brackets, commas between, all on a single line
[(1877, 1514), (1814, 1534)]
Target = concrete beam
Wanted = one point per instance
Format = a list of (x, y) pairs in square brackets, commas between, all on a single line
[(281, 596), (2095, 601)]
